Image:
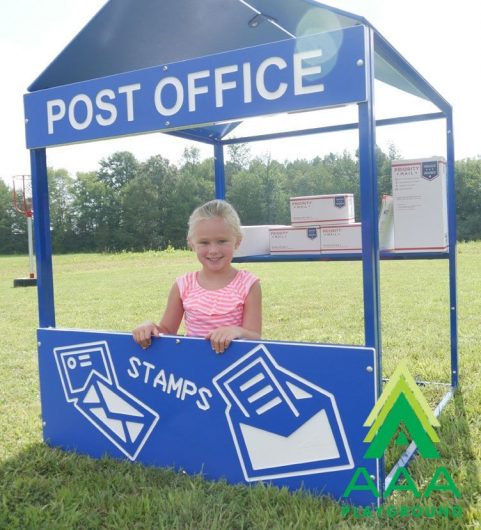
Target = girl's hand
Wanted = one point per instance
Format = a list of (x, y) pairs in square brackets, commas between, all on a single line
[(221, 338), (143, 334)]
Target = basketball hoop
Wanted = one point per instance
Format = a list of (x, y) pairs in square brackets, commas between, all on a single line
[(22, 194), (22, 202)]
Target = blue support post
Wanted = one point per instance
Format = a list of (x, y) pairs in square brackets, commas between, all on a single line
[(453, 306), (219, 170), (369, 208), (43, 245), (369, 220)]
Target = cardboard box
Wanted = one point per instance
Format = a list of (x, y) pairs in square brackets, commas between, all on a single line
[(255, 240), (341, 239), (420, 205), (322, 209), (295, 240), (386, 223)]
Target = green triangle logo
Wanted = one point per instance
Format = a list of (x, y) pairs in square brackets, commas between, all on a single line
[(401, 404)]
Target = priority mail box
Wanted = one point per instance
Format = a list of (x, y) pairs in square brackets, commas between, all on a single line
[(420, 205), (295, 240), (341, 239), (322, 209), (255, 240)]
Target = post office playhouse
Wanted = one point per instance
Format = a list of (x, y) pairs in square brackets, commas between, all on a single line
[(290, 414)]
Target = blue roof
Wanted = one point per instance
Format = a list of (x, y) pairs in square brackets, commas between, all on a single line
[(128, 35)]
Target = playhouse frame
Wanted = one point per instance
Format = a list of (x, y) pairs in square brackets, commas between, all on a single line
[(366, 126)]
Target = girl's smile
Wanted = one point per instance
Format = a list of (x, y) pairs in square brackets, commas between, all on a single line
[(214, 244)]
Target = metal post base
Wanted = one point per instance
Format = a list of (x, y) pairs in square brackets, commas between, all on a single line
[(24, 282)]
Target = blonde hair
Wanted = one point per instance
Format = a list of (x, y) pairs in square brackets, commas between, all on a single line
[(216, 208)]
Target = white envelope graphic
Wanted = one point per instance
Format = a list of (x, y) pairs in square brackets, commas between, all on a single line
[(119, 416), (282, 425), (89, 382), (127, 429), (311, 442)]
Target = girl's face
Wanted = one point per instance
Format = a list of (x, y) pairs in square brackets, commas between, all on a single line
[(214, 243)]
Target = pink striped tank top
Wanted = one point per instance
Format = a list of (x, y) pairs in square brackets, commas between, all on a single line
[(206, 310)]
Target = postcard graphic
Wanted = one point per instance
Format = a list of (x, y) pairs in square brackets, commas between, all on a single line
[(281, 424), (90, 383)]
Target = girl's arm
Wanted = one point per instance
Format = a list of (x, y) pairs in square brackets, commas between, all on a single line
[(252, 321), (169, 323), (251, 328)]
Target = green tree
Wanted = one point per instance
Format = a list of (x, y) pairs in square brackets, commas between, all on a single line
[(384, 169), (239, 155), (300, 179), (238, 158), (13, 226), (115, 173), (148, 205), (94, 219), (118, 169), (468, 199), (194, 186), (60, 185), (132, 205), (274, 197), (245, 195)]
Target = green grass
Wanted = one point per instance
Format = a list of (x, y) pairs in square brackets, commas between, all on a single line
[(43, 488)]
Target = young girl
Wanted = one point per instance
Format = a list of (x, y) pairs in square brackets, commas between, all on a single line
[(218, 302)]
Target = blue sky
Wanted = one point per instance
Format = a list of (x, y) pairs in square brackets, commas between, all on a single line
[(440, 38)]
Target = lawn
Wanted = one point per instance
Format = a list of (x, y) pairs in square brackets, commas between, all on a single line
[(44, 488)]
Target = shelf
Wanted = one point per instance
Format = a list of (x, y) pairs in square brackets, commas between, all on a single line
[(341, 257)]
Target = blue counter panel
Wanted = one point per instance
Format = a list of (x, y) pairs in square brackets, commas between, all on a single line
[(290, 414)]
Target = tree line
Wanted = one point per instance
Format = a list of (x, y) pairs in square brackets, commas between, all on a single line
[(131, 205)]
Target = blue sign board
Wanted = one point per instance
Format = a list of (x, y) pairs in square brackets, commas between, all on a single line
[(320, 70), (290, 414)]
